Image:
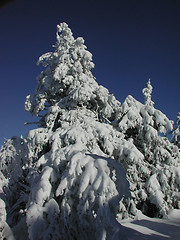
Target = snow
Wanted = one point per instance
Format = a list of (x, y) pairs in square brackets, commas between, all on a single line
[(145, 228), (90, 162), (141, 228)]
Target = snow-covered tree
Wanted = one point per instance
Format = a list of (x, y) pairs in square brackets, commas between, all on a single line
[(154, 178), (66, 179), (72, 186), (147, 91), (176, 132), (67, 81), (14, 186)]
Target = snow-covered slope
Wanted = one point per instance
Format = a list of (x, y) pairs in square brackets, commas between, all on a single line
[(145, 228)]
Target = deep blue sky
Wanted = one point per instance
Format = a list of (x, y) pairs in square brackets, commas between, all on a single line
[(131, 41)]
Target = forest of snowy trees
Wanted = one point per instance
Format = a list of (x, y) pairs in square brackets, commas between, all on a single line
[(91, 160)]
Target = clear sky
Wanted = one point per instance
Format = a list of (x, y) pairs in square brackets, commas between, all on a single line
[(131, 41)]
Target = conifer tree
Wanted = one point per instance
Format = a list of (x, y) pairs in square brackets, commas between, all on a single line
[(14, 184), (147, 91), (176, 132), (73, 184), (154, 178), (67, 81), (65, 179)]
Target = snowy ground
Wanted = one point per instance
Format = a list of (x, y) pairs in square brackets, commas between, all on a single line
[(145, 228)]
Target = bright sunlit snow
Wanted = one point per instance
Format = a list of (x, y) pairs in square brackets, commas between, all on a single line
[(145, 228), (93, 166)]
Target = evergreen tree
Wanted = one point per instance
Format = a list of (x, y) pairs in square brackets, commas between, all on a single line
[(154, 178), (67, 81), (147, 91), (65, 179), (73, 184), (14, 184), (176, 132)]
